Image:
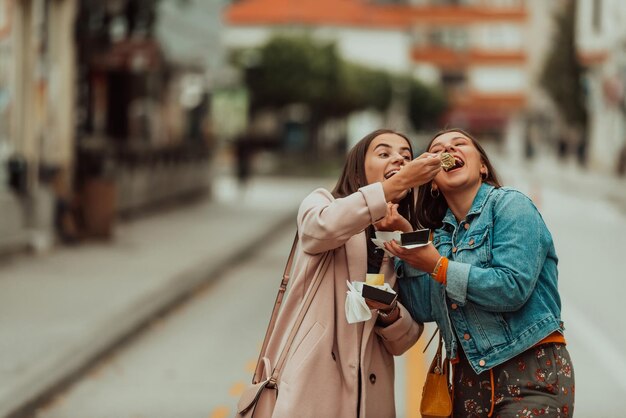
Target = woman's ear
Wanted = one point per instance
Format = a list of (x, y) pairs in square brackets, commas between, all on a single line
[(484, 173)]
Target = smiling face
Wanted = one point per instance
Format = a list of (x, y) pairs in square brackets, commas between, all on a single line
[(431, 206), (470, 166), (385, 156)]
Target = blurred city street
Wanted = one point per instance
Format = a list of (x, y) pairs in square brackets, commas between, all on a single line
[(197, 360), (58, 311)]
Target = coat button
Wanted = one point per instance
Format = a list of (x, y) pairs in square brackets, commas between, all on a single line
[(466, 226), (466, 337), (471, 242), (454, 306), (372, 378), (454, 250), (482, 363)]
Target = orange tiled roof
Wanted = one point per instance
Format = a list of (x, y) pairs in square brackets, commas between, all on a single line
[(359, 13), (449, 58), (343, 12)]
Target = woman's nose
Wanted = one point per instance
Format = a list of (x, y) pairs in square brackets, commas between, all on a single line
[(398, 158)]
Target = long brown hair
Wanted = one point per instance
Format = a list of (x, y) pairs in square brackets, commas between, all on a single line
[(431, 210), (353, 176)]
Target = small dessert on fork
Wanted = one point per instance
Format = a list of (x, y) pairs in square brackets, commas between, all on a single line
[(448, 162)]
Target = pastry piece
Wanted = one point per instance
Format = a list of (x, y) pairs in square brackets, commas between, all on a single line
[(447, 161), (375, 279)]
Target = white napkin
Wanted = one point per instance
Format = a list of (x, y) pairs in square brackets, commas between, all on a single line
[(356, 308), (384, 236)]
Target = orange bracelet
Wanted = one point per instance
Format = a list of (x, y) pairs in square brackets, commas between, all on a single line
[(441, 271), (437, 266)]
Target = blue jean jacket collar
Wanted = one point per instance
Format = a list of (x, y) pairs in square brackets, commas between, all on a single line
[(477, 205)]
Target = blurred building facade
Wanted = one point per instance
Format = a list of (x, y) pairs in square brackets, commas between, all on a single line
[(36, 109), (103, 111), (479, 50), (601, 39)]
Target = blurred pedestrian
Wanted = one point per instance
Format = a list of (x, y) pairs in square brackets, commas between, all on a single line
[(338, 369), (489, 281), (243, 153)]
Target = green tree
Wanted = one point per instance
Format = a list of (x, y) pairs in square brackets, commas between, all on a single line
[(426, 104), (293, 70), (298, 69), (362, 87)]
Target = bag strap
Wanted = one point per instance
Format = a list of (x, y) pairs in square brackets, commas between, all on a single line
[(308, 298), (439, 365), (279, 299)]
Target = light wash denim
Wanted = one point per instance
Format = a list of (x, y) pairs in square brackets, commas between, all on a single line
[(501, 296)]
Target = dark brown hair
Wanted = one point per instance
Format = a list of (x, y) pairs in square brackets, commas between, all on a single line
[(431, 210), (353, 176)]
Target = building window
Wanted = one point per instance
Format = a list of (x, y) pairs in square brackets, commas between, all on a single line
[(500, 37), (449, 37), (451, 2), (504, 3), (500, 79), (454, 82), (453, 78)]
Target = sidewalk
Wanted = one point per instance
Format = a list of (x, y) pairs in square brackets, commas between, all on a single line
[(60, 311), (567, 176)]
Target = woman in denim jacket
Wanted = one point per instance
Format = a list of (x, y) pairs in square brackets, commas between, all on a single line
[(489, 281)]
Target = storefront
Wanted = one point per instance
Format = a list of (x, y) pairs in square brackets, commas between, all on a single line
[(139, 133)]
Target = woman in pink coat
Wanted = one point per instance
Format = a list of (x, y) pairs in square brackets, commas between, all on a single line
[(336, 369)]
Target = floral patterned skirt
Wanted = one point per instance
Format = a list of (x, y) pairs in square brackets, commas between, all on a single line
[(537, 383)]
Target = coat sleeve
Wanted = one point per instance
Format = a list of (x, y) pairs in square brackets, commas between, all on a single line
[(325, 223), (402, 334)]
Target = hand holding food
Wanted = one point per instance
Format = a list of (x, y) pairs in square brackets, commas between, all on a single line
[(422, 169), (415, 173), (422, 258)]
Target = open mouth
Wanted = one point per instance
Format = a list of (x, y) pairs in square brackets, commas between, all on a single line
[(454, 163), (391, 173), (458, 163)]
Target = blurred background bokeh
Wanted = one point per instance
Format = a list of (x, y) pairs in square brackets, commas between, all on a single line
[(112, 111), (111, 107)]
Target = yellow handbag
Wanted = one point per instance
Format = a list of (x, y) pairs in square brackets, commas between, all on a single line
[(436, 399)]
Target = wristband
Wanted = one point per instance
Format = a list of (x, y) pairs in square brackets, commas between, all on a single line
[(388, 313), (437, 267), (441, 270)]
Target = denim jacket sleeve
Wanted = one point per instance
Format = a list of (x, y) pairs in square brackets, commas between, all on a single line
[(520, 244), (414, 291)]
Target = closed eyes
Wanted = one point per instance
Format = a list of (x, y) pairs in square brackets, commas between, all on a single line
[(387, 155)]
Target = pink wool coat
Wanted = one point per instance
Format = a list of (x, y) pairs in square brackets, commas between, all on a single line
[(321, 376)]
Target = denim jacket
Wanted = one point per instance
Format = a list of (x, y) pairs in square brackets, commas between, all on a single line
[(501, 296)]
